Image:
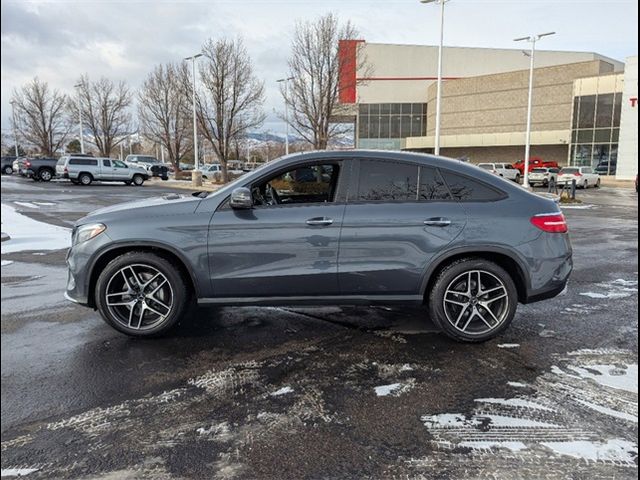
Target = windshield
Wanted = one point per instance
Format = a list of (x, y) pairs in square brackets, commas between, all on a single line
[(569, 171)]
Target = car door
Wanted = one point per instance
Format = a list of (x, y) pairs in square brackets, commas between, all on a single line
[(120, 170), (287, 244), (398, 217)]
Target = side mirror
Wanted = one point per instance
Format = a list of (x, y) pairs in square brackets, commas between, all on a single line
[(241, 199)]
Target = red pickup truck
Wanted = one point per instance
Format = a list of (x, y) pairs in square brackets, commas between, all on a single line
[(535, 162)]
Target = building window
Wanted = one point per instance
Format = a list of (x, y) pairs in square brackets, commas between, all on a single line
[(595, 131), (384, 124)]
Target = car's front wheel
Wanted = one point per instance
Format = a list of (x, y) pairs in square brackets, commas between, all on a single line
[(473, 300), (141, 294), (138, 180)]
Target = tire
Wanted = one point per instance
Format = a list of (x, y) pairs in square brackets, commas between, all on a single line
[(585, 185), (597, 184), (138, 180), (45, 175), (137, 317), (85, 179), (517, 179), (470, 326), (8, 170)]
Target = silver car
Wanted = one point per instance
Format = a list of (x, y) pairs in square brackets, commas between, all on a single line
[(543, 176), (84, 170)]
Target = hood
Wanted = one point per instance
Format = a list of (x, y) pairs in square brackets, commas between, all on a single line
[(166, 205)]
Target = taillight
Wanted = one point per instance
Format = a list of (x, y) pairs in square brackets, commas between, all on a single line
[(27, 164), (550, 222), (66, 170), (578, 174)]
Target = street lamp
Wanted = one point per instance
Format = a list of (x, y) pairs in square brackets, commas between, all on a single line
[(78, 85), (436, 150), (532, 39), (285, 81), (195, 127), (15, 131)]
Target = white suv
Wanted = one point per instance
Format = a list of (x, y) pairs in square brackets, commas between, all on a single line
[(544, 176), (505, 170), (585, 177)]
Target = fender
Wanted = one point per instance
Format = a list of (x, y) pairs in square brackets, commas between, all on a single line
[(143, 243), (435, 264)]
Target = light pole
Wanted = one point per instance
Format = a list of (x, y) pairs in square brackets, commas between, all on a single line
[(436, 149), (285, 81), (15, 131), (196, 161), (532, 39), (78, 85)]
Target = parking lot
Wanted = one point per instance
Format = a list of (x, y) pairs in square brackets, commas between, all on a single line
[(319, 392)]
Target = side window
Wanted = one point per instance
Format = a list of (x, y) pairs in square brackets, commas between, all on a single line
[(119, 164), (387, 181), (106, 163), (587, 170), (307, 184), (432, 186), (466, 189)]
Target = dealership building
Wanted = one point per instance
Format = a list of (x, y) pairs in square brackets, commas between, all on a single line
[(584, 104)]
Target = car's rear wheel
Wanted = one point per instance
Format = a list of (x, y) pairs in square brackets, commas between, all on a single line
[(585, 185), (517, 179), (45, 175), (138, 180), (8, 170), (473, 300), (85, 179), (598, 184), (141, 294)]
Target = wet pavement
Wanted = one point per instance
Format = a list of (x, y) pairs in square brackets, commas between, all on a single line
[(321, 392)]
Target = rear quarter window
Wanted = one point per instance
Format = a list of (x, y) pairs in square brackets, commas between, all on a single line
[(466, 189), (83, 161)]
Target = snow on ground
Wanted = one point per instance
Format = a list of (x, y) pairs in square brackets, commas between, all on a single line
[(618, 288), (27, 204), (552, 423), (508, 345), (282, 391), (6, 262), (578, 207), (29, 234), (17, 472), (394, 389)]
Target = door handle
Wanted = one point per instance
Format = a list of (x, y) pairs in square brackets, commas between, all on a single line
[(437, 222), (320, 222)]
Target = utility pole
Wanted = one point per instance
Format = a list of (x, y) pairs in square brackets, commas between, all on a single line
[(285, 81), (195, 125), (77, 86)]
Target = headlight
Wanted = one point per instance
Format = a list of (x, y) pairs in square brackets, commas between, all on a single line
[(87, 232)]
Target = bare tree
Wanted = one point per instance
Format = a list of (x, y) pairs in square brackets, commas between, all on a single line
[(164, 110), (41, 117), (314, 66), (230, 103), (105, 112)]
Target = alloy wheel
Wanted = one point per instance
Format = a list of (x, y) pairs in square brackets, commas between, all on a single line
[(476, 302), (139, 296)]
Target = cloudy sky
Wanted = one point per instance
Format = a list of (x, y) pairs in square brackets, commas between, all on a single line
[(60, 40)]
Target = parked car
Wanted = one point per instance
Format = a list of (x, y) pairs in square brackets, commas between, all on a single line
[(585, 177), (40, 169), (543, 176), (502, 170), (214, 172), (535, 162), (606, 168), (19, 165), (83, 171), (372, 228), (7, 164), (154, 166)]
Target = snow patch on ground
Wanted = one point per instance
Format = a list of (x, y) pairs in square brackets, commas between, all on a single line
[(282, 391), (29, 234), (587, 206), (27, 204), (394, 389), (6, 262), (621, 378), (508, 345), (609, 411), (515, 402), (488, 445), (517, 384), (17, 472), (615, 450), (618, 288)]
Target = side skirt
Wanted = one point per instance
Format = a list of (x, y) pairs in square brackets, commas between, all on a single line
[(314, 300)]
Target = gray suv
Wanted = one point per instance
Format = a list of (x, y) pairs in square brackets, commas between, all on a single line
[(356, 227), (84, 170)]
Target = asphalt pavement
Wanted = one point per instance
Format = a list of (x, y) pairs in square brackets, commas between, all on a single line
[(331, 392)]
